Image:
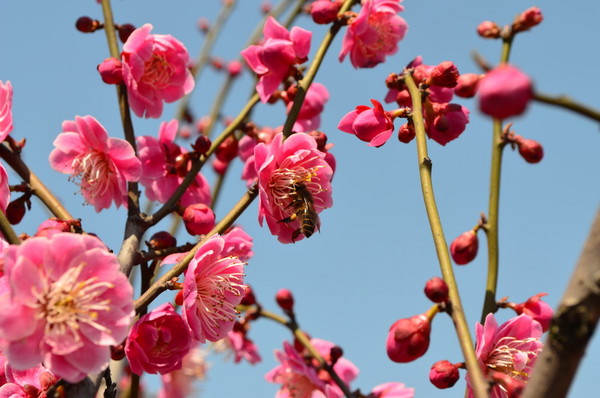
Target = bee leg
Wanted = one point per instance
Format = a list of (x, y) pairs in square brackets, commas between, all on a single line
[(295, 235), (289, 219)]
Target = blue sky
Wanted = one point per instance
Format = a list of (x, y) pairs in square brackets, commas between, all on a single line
[(368, 265)]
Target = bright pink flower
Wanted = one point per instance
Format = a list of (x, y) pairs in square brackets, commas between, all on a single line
[(509, 349), (101, 165), (309, 117), (504, 92), (158, 341), (213, 286), (374, 33), (4, 189), (237, 244), (64, 304), (273, 60), (6, 120), (281, 167), (33, 382), (198, 218), (392, 390), (242, 347), (155, 69), (164, 167), (408, 338), (111, 71), (372, 125), (179, 383), (299, 378), (536, 309), (246, 151), (446, 122)]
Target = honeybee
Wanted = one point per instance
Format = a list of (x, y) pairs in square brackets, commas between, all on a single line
[(304, 208)]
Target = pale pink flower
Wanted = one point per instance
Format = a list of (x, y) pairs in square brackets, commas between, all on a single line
[(273, 60), (64, 304), (100, 164), (4, 189), (309, 117), (299, 378), (281, 167), (392, 390), (374, 33), (237, 244), (155, 69), (509, 349), (158, 341), (373, 125), (6, 120), (164, 167), (504, 92), (213, 286), (242, 347), (179, 383)]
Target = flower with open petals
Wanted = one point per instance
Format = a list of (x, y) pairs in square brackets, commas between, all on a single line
[(241, 346), (507, 352), (155, 69), (165, 165), (392, 390), (6, 120), (309, 117), (273, 60), (373, 125), (4, 189), (64, 303), (282, 167), (213, 286), (101, 165), (374, 33), (158, 341)]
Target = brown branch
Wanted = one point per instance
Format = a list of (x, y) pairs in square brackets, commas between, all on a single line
[(572, 327)]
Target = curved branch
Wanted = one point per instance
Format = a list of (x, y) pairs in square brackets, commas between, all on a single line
[(564, 101)]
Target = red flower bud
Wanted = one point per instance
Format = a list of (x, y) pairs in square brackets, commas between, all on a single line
[(202, 144), (15, 211), (111, 71), (320, 138), (530, 150), (179, 298), (203, 25), (436, 290), (117, 352), (87, 25), (443, 374), (528, 19), (488, 30), (505, 91), (125, 31), (199, 219), (406, 133), (325, 11), (234, 68), (408, 339), (249, 298), (335, 353), (464, 248), (285, 300), (162, 240), (444, 75), (467, 85), (228, 150)]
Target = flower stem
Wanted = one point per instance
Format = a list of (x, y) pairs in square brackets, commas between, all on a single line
[(305, 83), (491, 226), (161, 285), (566, 102), (305, 341), (478, 382)]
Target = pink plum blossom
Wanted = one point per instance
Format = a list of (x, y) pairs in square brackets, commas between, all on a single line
[(507, 350), (4, 189), (392, 390), (64, 303), (100, 164), (536, 309), (504, 92), (155, 69), (309, 117), (280, 167), (158, 341), (299, 377), (6, 120), (273, 60), (372, 125), (246, 151), (237, 244), (374, 33), (446, 122), (242, 346), (33, 382), (213, 286), (163, 169)]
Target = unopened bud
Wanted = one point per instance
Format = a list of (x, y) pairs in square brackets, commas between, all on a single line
[(202, 144), (15, 211), (199, 219), (228, 150), (436, 290), (488, 30), (203, 25), (528, 19), (406, 133), (125, 31), (320, 138), (464, 248), (179, 298), (537, 309), (285, 300), (444, 75), (47, 380), (266, 7), (117, 352), (162, 240), (335, 353), (111, 71), (530, 150), (408, 339), (249, 298), (466, 86), (504, 92), (87, 25), (325, 11), (234, 68), (443, 374)]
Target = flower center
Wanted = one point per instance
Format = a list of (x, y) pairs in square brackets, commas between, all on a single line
[(512, 357), (69, 302), (94, 170), (157, 71)]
